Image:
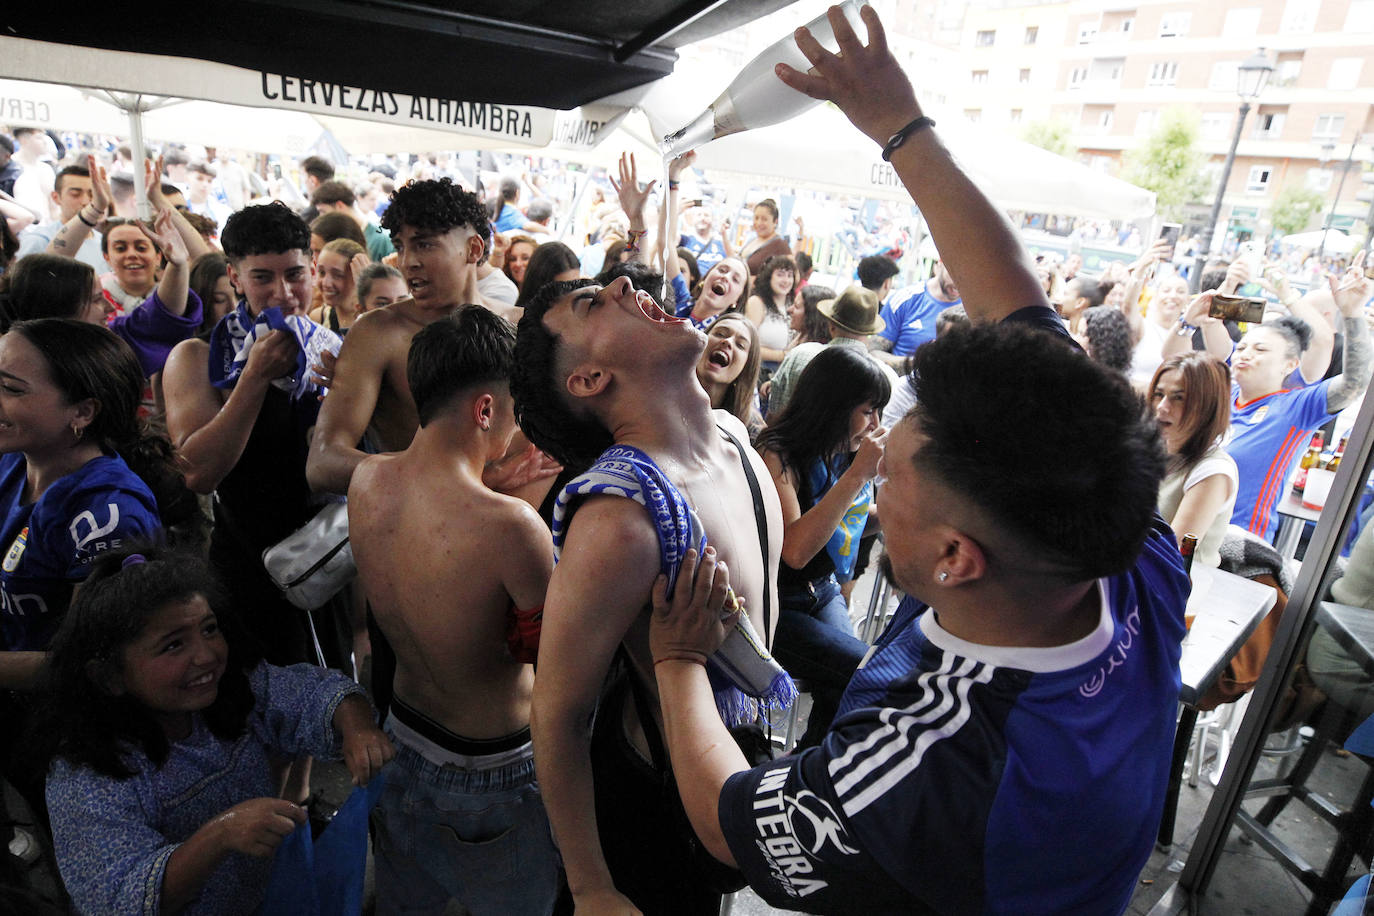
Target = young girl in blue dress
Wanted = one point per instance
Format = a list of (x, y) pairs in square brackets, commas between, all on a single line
[(161, 791)]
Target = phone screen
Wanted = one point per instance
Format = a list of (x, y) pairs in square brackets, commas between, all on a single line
[(1169, 232), (1237, 308)]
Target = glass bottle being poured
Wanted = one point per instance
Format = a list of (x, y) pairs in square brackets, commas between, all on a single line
[(756, 97)]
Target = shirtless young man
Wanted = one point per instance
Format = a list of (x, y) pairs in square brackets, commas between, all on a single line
[(423, 527), (440, 233), (595, 367)]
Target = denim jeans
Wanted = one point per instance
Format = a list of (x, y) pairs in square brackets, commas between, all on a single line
[(815, 642), (480, 837)]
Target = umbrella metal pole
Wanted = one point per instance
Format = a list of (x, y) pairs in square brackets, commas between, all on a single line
[(145, 210), (571, 218)]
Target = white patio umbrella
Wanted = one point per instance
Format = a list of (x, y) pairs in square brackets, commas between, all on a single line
[(1335, 239), (177, 98)]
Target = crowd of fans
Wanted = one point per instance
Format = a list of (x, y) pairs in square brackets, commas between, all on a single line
[(179, 394)]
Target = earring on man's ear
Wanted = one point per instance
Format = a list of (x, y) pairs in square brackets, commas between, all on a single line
[(944, 575)]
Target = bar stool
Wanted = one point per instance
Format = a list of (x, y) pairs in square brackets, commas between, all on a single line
[(1354, 827)]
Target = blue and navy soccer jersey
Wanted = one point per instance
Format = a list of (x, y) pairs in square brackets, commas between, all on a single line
[(1267, 436), (49, 543), (909, 318), (971, 779)]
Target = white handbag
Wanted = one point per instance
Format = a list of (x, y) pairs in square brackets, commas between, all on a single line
[(315, 562)]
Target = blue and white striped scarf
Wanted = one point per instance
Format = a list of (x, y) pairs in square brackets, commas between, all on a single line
[(744, 676), (232, 340)]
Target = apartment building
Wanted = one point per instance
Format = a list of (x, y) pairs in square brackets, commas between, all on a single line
[(1110, 68)]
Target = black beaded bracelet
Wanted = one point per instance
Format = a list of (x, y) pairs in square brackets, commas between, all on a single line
[(83, 219), (900, 137)]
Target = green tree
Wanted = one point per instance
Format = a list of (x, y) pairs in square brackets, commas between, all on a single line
[(1295, 208), (1169, 163), (1051, 135)]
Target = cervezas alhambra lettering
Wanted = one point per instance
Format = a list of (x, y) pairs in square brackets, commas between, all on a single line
[(473, 117)]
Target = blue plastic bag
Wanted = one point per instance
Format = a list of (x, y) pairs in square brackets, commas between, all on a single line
[(324, 877)]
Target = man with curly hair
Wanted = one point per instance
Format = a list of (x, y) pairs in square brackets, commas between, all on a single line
[(440, 232)]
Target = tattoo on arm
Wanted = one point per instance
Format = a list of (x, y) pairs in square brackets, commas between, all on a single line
[(1355, 369)]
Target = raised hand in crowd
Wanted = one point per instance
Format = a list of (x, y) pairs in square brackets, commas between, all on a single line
[(1351, 291), (152, 183), (869, 86), (69, 238), (668, 217), (174, 286), (633, 198), (1237, 275)]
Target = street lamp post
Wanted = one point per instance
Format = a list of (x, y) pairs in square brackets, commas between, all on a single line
[(1251, 78), (1340, 186)]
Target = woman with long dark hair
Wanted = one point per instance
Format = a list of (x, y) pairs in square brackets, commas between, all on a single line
[(79, 471), (550, 261), (823, 452), (808, 324), (71, 452)]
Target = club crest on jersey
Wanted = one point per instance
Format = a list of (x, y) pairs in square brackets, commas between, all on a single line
[(16, 550)]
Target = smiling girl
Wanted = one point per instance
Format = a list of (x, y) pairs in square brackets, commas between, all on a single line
[(340, 261), (161, 792)]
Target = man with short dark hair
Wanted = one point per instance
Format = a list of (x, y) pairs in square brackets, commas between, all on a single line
[(71, 191), (175, 161), (240, 409), (598, 367), (1021, 703), (876, 272), (200, 193), (317, 170), (440, 232), (337, 197), (423, 527)]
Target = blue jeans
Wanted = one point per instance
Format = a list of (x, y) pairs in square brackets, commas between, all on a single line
[(815, 642), (480, 837)]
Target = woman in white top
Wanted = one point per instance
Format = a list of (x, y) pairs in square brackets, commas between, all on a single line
[(767, 308), (1190, 396)]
